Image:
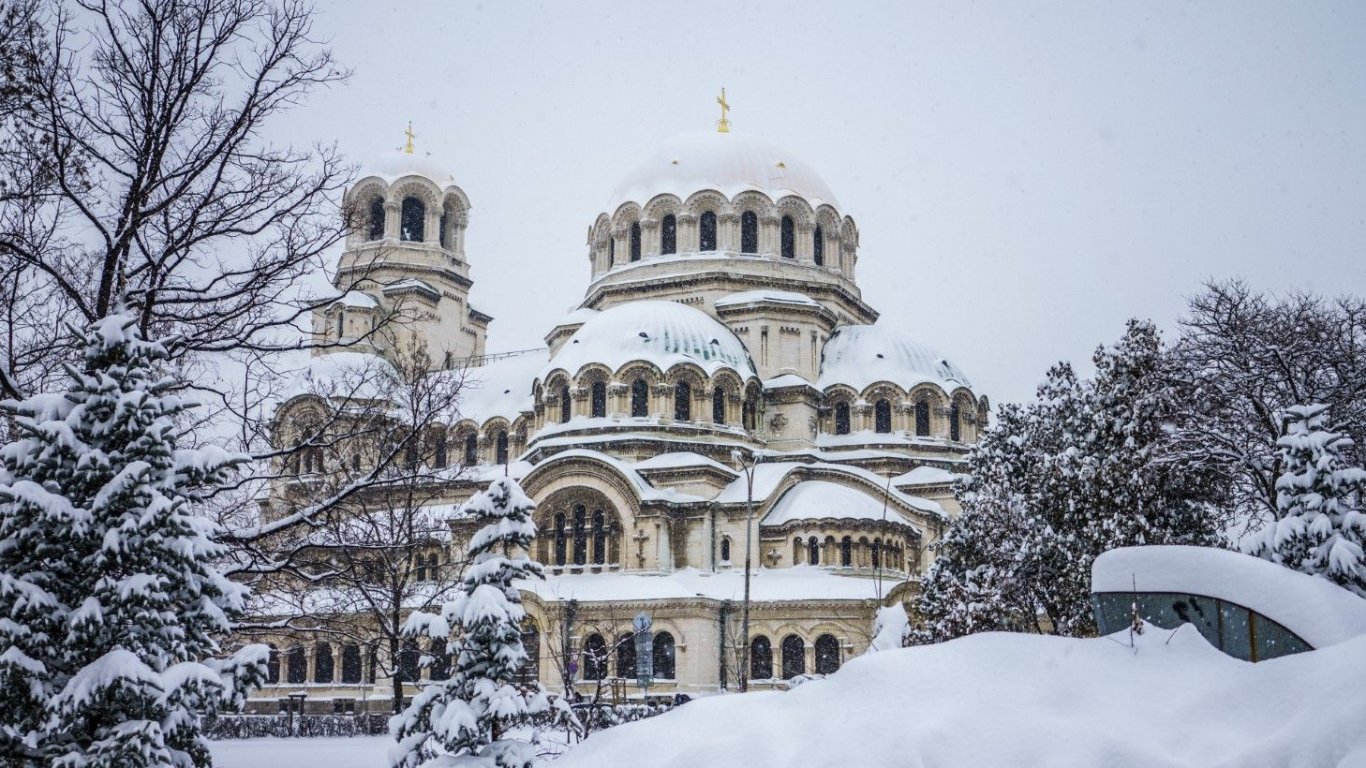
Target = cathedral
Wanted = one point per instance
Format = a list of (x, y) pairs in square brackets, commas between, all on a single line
[(722, 403)]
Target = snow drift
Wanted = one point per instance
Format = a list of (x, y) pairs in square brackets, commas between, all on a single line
[(1002, 699)]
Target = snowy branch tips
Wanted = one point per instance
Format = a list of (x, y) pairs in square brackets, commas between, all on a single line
[(470, 713)]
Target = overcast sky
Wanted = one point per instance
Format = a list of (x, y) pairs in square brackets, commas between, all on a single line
[(1025, 176)]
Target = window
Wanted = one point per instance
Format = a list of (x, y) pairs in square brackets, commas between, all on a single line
[(471, 449), (441, 659), (635, 241), (373, 667), (420, 573), (847, 552), (439, 450), (640, 398), (882, 416), (794, 657), (789, 238), (750, 412), (877, 553), (626, 655), (559, 539), (343, 706), (668, 235), (683, 401), (599, 399), (273, 665), (954, 431), (841, 418), (413, 220), (441, 232), (296, 666), (611, 251), (813, 551), (594, 657), (664, 656), (341, 324), (350, 663), (408, 660), (376, 219), (718, 406), (706, 232), (322, 663), (827, 655), (725, 549), (531, 643), (501, 454), (564, 404), (818, 247), (922, 418), (760, 658), (580, 535), (749, 232), (599, 537)]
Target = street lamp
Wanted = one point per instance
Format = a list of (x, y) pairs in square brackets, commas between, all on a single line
[(747, 462)]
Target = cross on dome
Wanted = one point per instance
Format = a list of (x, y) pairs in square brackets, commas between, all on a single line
[(723, 126)]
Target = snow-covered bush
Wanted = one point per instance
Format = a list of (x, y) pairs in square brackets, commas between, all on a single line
[(109, 604)]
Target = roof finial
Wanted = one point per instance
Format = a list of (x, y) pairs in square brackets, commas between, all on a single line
[(409, 133), (723, 125)]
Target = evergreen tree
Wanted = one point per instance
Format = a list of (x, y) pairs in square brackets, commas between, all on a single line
[(468, 715), (108, 599), (1322, 527)]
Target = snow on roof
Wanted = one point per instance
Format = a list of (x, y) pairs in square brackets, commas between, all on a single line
[(357, 300), (578, 316), (780, 297), (925, 476), (1319, 611), (860, 355), (414, 284), (680, 459), (664, 333), (391, 166), (729, 163), (767, 585), (501, 387), (769, 475), (786, 380), (643, 487), (824, 500)]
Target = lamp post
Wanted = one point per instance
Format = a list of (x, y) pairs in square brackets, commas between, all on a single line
[(747, 462)]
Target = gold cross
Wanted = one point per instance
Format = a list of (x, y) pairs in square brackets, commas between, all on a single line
[(409, 133), (724, 125)]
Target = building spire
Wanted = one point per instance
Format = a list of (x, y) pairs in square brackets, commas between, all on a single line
[(723, 125), (408, 148)]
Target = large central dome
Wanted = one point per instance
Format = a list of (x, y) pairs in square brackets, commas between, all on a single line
[(726, 162)]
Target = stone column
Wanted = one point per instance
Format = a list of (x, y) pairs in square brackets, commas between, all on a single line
[(431, 226), (728, 232), (663, 403), (621, 236), (688, 234), (649, 238), (462, 221), (769, 235), (618, 398), (391, 218), (804, 249)]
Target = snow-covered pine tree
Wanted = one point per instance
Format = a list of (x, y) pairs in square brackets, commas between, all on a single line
[(109, 603), (1319, 496), (464, 719)]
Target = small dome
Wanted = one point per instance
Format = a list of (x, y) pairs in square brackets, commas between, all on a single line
[(860, 355), (392, 166), (726, 162), (824, 500), (664, 333)]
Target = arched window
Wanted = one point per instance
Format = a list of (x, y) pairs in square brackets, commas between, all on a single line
[(351, 667), (668, 234), (789, 238), (441, 659), (559, 539), (375, 219), (413, 221), (882, 416), (372, 669), (408, 660), (439, 449), (626, 655), (531, 643), (827, 655), (794, 657), (877, 553), (420, 573), (580, 535), (341, 324), (611, 251), (841, 418), (725, 549), (813, 551), (760, 659), (595, 657), (564, 404), (664, 656), (441, 232), (718, 406), (706, 232), (635, 241), (749, 232), (296, 666), (682, 401), (501, 452), (955, 432), (846, 552), (598, 399), (750, 413), (599, 537), (818, 247), (273, 665), (640, 398), (471, 449), (922, 418)]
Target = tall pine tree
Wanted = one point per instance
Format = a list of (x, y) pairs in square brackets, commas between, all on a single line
[(468, 715), (1322, 527), (109, 604)]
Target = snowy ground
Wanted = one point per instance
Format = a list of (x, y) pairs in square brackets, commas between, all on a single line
[(356, 752)]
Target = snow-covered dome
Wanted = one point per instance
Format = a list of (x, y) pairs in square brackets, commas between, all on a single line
[(860, 355), (729, 163), (824, 500), (397, 164), (664, 333)]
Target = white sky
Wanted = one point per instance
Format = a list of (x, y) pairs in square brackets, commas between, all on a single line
[(1025, 176)]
